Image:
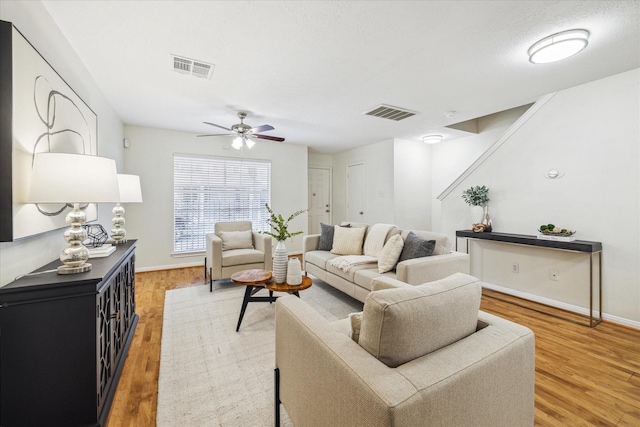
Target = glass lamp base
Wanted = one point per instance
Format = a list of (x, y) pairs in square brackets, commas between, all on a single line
[(63, 269)]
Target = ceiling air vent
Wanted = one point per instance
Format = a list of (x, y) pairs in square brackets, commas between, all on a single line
[(391, 113), (192, 67)]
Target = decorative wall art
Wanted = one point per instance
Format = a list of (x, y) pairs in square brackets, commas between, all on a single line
[(39, 113)]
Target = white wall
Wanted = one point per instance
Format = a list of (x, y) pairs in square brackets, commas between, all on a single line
[(412, 184), (35, 23), (592, 134), (151, 157), (378, 160)]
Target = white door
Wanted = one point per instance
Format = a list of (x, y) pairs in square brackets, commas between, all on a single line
[(319, 198), (355, 192)]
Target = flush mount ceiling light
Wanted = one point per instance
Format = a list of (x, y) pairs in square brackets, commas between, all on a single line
[(432, 139), (558, 46)]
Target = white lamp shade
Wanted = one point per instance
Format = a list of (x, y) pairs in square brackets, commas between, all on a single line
[(73, 178), (130, 191), (432, 139)]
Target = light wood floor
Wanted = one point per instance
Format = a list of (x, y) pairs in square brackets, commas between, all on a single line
[(584, 376)]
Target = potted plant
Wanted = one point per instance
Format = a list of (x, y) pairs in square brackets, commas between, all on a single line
[(280, 232), (477, 197)]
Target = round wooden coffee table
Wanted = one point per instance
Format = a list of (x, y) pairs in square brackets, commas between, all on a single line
[(292, 289), (257, 279)]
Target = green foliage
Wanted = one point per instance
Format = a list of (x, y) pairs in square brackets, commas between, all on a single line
[(279, 225), (476, 196)]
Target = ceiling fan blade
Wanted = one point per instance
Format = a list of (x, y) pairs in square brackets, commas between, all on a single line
[(269, 137), (218, 126), (262, 128), (216, 134)]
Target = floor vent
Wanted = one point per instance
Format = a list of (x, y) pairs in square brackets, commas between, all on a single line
[(391, 113), (192, 67)]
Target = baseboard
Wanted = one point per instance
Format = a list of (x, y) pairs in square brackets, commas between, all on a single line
[(561, 305), (170, 266)]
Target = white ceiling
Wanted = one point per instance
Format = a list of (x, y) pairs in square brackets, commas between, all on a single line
[(310, 69)]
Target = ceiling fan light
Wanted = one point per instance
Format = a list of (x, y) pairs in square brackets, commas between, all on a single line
[(558, 46), (237, 143), (250, 143), (432, 139)]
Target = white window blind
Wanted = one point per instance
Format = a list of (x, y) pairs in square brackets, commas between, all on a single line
[(209, 189)]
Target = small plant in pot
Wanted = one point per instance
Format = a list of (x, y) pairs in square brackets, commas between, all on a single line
[(280, 232), (477, 197)]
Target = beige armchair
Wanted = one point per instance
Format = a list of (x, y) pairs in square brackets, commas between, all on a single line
[(425, 356), (233, 247)]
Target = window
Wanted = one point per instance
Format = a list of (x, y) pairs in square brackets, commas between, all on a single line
[(209, 189)]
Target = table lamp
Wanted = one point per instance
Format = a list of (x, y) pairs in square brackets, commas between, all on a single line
[(73, 178), (130, 192)]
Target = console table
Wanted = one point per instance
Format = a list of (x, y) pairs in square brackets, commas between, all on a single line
[(591, 249), (64, 340)]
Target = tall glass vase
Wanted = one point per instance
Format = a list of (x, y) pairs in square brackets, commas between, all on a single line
[(280, 259), (477, 214)]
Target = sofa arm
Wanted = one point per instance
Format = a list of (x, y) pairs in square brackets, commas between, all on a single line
[(428, 269), (322, 368), (262, 243), (214, 255), (310, 243)]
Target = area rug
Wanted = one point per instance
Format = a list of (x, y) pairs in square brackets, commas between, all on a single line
[(211, 375)]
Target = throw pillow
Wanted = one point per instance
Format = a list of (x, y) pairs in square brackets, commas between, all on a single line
[(415, 247), (347, 241), (236, 240), (402, 324), (326, 237), (356, 321), (390, 254)]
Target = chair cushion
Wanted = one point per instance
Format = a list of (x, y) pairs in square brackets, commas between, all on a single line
[(356, 322), (236, 240), (390, 254), (415, 247), (364, 278), (348, 240), (402, 324), (241, 256)]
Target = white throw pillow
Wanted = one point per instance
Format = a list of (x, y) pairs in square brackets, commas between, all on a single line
[(236, 240), (390, 254), (348, 241)]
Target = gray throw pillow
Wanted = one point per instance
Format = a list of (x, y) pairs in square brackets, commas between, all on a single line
[(415, 247), (326, 237)]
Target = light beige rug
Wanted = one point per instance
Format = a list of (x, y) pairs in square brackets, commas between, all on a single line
[(211, 375)]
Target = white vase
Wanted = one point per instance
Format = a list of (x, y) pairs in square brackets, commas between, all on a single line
[(280, 263), (477, 214), (294, 272)]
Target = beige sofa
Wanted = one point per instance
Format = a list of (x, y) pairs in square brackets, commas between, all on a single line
[(357, 281), (425, 356)]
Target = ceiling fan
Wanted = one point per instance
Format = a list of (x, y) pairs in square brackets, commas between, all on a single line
[(244, 132)]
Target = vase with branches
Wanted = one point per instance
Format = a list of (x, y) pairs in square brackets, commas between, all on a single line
[(280, 232)]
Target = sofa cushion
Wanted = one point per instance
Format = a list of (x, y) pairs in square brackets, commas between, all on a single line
[(390, 254), (350, 273), (241, 256), (236, 240), (402, 324), (415, 247), (326, 237), (364, 278), (319, 258), (348, 241)]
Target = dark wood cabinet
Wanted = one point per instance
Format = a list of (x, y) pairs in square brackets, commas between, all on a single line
[(64, 340)]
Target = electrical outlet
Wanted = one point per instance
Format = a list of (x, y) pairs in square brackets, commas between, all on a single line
[(515, 268), (554, 275)]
